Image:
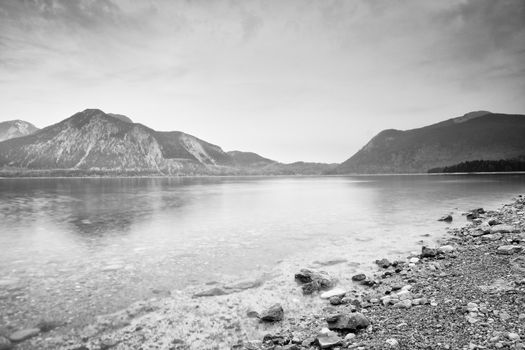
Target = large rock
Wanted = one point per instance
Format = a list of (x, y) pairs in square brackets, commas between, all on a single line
[(428, 252), (350, 322), (274, 313), (509, 249), (23, 334), (314, 281)]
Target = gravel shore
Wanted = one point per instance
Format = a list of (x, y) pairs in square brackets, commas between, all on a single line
[(466, 292)]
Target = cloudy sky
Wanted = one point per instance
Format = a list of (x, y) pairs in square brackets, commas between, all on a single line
[(290, 79)]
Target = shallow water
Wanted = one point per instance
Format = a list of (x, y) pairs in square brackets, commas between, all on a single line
[(74, 248)]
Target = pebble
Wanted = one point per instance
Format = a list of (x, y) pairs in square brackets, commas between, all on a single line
[(509, 249), (446, 249), (392, 342), (513, 336), (328, 340), (359, 277)]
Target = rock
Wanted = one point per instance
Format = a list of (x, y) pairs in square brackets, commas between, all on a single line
[(352, 322), (446, 218), (23, 334), (252, 313), (475, 213), (502, 228), (491, 237), (384, 263), (493, 222), (414, 260), (350, 336), (513, 336), (472, 307), (392, 342), (428, 252), (314, 281), (328, 340), (509, 249), (333, 293), (210, 292), (444, 249), (274, 313), (359, 277), (5, 344)]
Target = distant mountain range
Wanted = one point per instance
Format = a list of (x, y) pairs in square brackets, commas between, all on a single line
[(94, 142), (15, 128), (474, 136)]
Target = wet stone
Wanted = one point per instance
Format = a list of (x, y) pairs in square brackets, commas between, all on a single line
[(274, 313)]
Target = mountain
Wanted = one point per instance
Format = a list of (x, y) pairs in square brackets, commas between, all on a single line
[(249, 160), (15, 128), (93, 140), (477, 135)]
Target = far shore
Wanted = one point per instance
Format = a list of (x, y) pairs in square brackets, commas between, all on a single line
[(32, 175)]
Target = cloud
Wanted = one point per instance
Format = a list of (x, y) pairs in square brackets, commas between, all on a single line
[(345, 67)]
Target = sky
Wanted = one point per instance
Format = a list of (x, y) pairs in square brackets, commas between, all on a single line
[(309, 80)]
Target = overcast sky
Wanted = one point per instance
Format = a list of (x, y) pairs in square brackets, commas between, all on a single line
[(291, 80)]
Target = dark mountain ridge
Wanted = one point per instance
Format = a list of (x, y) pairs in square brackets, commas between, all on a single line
[(476, 135)]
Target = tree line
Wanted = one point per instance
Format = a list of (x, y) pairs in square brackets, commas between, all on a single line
[(484, 166)]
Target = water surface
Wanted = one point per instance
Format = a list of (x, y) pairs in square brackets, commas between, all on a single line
[(72, 248)]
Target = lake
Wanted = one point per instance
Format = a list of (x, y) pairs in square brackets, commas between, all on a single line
[(72, 248)]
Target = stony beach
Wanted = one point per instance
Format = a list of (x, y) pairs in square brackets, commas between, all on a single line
[(466, 291)]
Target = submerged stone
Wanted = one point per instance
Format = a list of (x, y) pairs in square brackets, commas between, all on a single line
[(274, 313)]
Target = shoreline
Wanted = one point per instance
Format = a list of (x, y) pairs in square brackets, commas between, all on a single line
[(220, 321), (256, 176)]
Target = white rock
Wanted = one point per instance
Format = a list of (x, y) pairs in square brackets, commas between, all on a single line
[(502, 228), (414, 260), (472, 307), (333, 293), (350, 336), (446, 249)]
